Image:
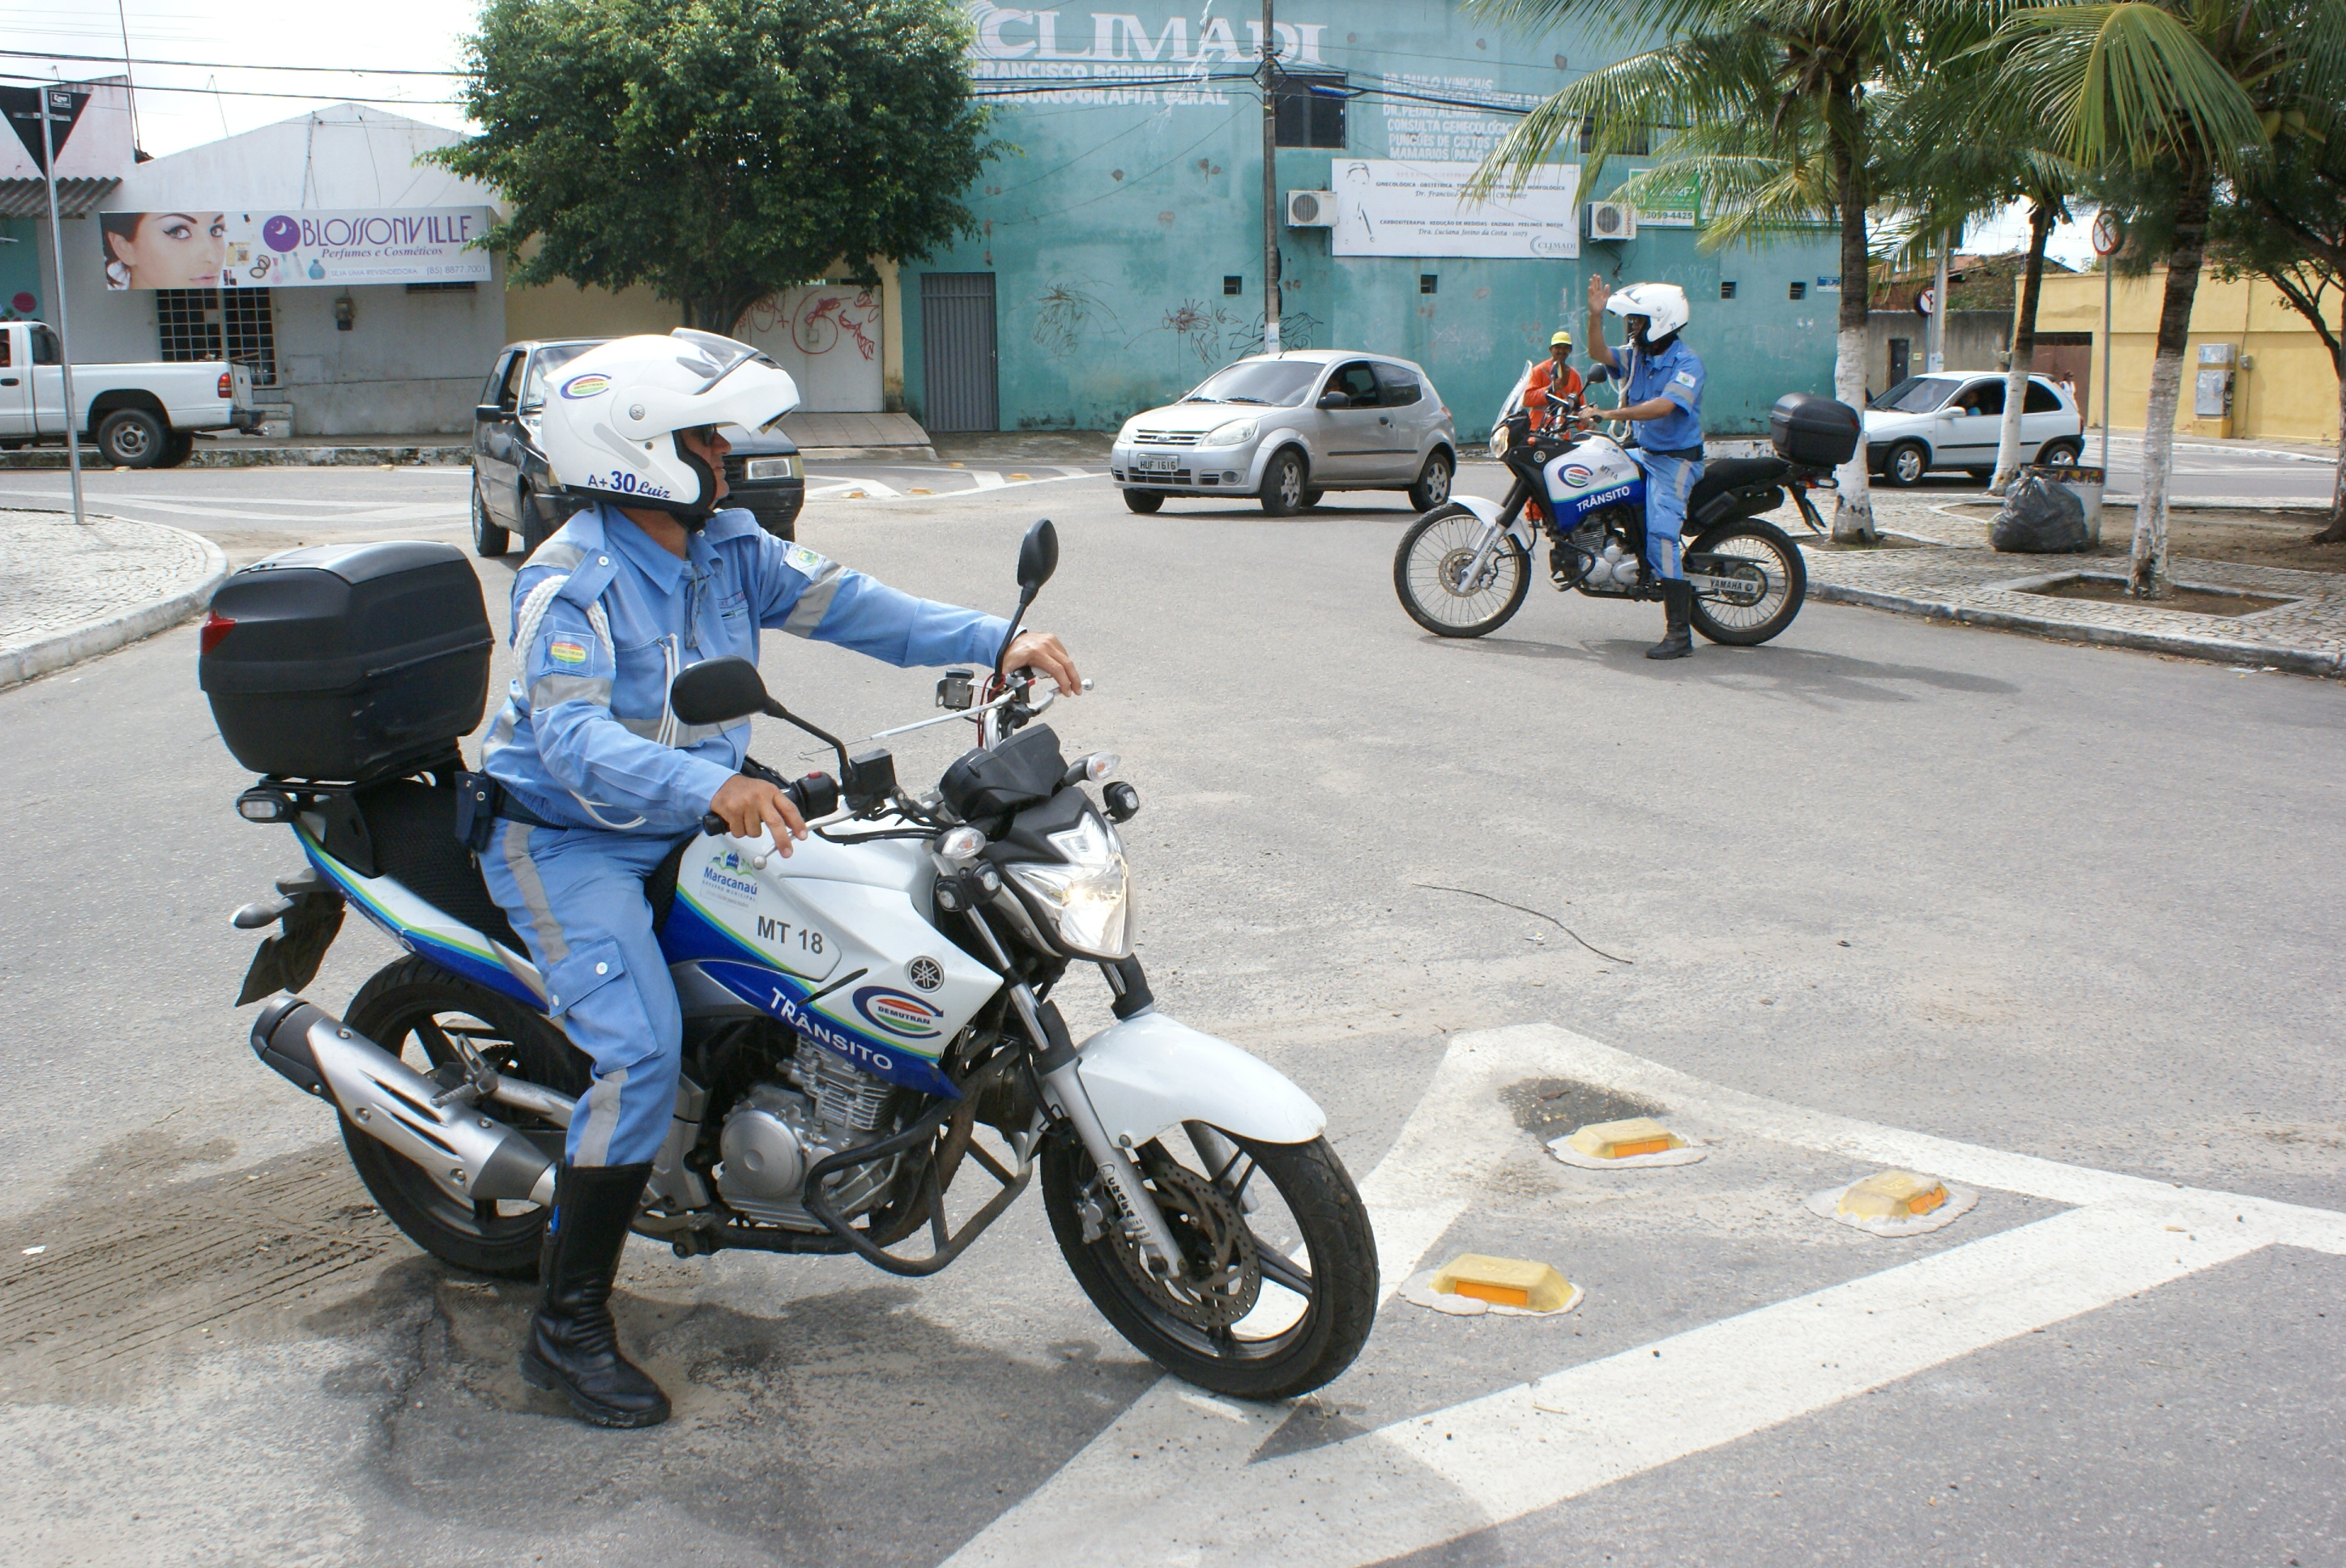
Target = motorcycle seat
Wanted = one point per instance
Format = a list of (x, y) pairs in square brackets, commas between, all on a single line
[(414, 825), (1729, 476)]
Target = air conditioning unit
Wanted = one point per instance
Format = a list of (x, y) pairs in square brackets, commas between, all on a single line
[(1612, 221), (1311, 210)]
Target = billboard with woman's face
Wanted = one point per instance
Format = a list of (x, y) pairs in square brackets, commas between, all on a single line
[(164, 249), (199, 248)]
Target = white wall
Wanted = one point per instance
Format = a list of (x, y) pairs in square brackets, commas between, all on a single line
[(411, 363)]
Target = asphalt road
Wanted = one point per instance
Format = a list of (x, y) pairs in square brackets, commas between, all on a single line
[(2054, 922)]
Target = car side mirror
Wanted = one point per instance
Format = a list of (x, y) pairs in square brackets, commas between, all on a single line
[(719, 692), (1039, 557), (483, 413), (1335, 400)]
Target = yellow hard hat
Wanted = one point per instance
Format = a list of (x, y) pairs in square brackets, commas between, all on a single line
[(1563, 337)]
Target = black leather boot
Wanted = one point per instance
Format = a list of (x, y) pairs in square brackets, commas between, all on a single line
[(573, 1345), (1678, 604)]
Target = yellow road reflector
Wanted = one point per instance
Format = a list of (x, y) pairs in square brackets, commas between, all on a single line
[(1022, 476), (1895, 1203), (1638, 1140), (1473, 1283), (1625, 1140), (1893, 1194)]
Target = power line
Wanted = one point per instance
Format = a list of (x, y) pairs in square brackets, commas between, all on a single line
[(303, 97), (219, 66)]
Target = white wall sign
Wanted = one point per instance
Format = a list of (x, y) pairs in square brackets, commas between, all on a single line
[(199, 248), (1387, 208)]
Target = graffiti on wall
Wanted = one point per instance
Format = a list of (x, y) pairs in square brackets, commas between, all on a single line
[(1063, 314), (818, 320)]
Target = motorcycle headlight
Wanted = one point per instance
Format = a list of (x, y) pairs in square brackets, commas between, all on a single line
[(1230, 434), (1089, 895)]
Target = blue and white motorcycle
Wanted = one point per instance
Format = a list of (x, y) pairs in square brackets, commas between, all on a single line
[(1462, 570), (865, 1021)]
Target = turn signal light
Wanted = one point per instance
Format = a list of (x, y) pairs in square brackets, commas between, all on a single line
[(215, 628)]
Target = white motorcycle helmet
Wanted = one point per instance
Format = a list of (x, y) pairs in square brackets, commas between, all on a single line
[(1664, 306), (612, 416)]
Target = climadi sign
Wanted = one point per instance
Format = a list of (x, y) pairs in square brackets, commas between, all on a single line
[(200, 247)]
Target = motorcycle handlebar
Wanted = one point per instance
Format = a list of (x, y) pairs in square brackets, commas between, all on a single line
[(816, 795)]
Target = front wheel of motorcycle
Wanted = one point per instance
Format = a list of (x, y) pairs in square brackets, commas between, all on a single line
[(1279, 1298), (415, 1010), (1435, 580)]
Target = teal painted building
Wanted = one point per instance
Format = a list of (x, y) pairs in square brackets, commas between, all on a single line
[(1119, 252)]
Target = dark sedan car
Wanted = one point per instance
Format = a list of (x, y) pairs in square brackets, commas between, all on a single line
[(513, 492)]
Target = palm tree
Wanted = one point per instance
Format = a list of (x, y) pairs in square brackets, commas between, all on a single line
[(2184, 93), (1964, 152), (1773, 104)]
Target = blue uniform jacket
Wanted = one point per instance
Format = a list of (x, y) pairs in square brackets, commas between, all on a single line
[(585, 738), (1676, 374)]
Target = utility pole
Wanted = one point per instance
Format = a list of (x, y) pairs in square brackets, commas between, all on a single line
[(49, 105), (1938, 360), (1270, 298)]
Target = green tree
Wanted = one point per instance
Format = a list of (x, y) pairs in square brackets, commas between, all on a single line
[(2286, 223), (716, 150), (1774, 105), (2183, 95)]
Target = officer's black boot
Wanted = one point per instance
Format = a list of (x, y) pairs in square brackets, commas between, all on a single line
[(573, 1344), (1677, 603)]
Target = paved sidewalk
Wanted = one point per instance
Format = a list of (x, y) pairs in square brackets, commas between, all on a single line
[(1954, 575), (69, 592)]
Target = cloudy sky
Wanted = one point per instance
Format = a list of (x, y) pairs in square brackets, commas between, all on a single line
[(225, 85)]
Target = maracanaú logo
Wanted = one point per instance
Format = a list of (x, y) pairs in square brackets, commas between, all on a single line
[(1575, 476), (898, 1014), (593, 383)]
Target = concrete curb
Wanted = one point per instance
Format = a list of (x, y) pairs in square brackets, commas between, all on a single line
[(92, 639), (206, 456), (2297, 661), (868, 453)]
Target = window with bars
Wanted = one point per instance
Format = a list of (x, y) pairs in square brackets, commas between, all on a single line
[(233, 324), (1311, 110)]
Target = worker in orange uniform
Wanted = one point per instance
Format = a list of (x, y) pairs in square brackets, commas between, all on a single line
[(1552, 377)]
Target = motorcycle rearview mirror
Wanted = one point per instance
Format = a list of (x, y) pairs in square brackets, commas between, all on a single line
[(1039, 557), (719, 692)]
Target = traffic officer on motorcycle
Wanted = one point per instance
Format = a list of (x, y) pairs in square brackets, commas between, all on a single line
[(599, 779), (1661, 398)]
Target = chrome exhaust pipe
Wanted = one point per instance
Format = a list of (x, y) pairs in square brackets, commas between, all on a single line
[(470, 1154)]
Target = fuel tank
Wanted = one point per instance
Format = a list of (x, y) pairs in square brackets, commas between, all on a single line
[(836, 942), (1596, 472)]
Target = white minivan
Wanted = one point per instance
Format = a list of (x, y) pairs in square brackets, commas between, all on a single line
[(1953, 420)]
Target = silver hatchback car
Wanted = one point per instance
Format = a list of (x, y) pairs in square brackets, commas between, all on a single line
[(1284, 428)]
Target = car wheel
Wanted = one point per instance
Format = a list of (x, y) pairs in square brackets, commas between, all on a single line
[(1143, 501), (1313, 497), (132, 438), (181, 447), (2055, 454), (1433, 486), (489, 541), (533, 528), (1283, 485), (1906, 464)]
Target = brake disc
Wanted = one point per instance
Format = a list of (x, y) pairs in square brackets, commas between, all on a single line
[(1224, 1261), (1452, 573)]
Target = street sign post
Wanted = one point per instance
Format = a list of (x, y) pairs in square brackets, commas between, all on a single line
[(57, 108), (2107, 241)]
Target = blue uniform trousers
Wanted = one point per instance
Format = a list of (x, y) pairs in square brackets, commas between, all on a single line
[(607, 983), (1668, 482)]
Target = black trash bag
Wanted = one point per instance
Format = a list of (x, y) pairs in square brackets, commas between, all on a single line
[(2039, 518)]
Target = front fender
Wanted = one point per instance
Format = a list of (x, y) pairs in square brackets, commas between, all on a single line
[(1488, 511), (1148, 1073)]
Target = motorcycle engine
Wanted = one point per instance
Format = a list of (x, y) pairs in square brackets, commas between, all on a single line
[(777, 1132)]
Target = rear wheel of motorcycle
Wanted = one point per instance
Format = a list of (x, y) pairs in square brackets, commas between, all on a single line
[(1429, 576), (1304, 1294), (1772, 552), (411, 1010)]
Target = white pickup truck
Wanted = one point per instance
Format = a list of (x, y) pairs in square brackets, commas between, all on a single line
[(138, 416)]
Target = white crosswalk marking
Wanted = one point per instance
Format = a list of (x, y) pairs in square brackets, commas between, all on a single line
[(1429, 1480)]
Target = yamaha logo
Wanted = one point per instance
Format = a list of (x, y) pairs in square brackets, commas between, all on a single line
[(926, 973)]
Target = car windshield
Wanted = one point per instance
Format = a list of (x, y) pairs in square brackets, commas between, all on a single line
[(1284, 383), (542, 364), (1917, 394)]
